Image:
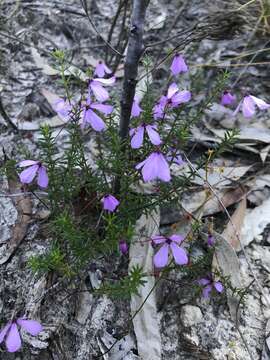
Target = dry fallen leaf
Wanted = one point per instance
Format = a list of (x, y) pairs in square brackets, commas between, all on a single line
[(254, 223), (233, 229), (228, 196), (226, 260), (145, 322), (23, 205)]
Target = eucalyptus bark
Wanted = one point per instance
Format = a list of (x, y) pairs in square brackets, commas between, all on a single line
[(134, 52)]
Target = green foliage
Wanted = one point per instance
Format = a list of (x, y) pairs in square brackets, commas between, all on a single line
[(9, 169), (82, 236), (125, 287), (53, 260)]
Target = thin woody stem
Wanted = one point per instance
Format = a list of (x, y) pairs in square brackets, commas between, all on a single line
[(134, 52)]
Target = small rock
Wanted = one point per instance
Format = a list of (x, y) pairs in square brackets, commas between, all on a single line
[(191, 315)]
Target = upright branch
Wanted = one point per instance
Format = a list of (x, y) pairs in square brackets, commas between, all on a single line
[(134, 52)]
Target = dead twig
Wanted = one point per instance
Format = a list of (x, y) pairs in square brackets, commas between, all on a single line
[(84, 6)]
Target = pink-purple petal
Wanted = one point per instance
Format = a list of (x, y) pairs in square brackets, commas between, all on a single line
[(158, 239), (179, 254), (24, 163), (177, 238), (31, 326), (150, 168), (136, 109), (141, 164), (102, 69), (262, 105), (173, 88), (42, 179), (105, 109), (204, 281), (181, 97), (227, 98), (109, 202), (137, 138), (95, 121), (153, 135), (13, 339), (27, 175), (4, 331), (161, 257), (218, 286), (248, 107), (206, 291), (178, 65), (163, 169), (100, 93)]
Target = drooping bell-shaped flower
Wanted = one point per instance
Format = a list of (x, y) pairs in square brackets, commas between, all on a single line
[(63, 108), (137, 135), (123, 247), (110, 203), (171, 243), (154, 167), (227, 98), (248, 106), (208, 285), (210, 240), (96, 86), (90, 116), (178, 65), (173, 99), (33, 168), (174, 156), (102, 69), (136, 109)]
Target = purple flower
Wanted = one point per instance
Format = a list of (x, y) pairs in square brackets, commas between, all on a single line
[(102, 69), (159, 108), (34, 168), (123, 247), (178, 65), (63, 108), (174, 156), (208, 285), (248, 105), (154, 167), (137, 135), (172, 243), (109, 202), (210, 240), (11, 335), (173, 99), (227, 98), (90, 116), (136, 109), (96, 87)]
